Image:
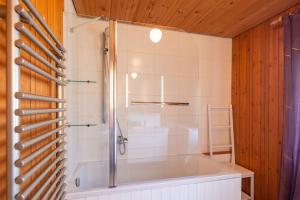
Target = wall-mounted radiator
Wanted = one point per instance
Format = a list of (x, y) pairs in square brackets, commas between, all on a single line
[(35, 135)]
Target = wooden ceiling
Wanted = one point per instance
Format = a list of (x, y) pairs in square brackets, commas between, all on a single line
[(226, 18)]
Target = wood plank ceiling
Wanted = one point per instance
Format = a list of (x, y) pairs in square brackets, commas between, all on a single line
[(225, 18)]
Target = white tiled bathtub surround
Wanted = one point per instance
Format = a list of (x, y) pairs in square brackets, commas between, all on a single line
[(182, 67)]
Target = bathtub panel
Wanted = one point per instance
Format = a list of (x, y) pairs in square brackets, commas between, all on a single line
[(166, 194), (227, 189)]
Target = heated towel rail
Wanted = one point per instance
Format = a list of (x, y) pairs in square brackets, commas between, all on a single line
[(31, 44)]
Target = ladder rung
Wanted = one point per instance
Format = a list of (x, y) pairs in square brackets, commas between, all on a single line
[(222, 146)]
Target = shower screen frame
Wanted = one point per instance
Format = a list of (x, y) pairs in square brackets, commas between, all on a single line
[(112, 102)]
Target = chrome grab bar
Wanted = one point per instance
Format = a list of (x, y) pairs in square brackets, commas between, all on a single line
[(27, 127), (25, 15), (34, 111), (27, 143), (21, 27), (160, 103), (22, 62), (27, 96), (23, 46), (32, 9), (23, 195)]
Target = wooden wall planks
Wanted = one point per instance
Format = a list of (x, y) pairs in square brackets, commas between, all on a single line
[(257, 98), (2, 107), (52, 12)]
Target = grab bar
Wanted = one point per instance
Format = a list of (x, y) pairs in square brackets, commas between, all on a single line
[(24, 177), (21, 61), (33, 111), (27, 143), (23, 195), (21, 27), (29, 127), (22, 45), (27, 96), (43, 23), (58, 173), (21, 11), (24, 161), (160, 103)]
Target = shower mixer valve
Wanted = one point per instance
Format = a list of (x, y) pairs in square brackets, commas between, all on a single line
[(122, 140)]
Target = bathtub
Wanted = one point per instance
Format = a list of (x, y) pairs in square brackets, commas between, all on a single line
[(186, 177)]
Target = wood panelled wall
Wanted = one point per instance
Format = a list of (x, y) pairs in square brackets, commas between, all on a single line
[(2, 108), (257, 98), (52, 12)]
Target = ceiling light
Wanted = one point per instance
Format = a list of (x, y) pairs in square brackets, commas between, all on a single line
[(155, 35), (134, 75)]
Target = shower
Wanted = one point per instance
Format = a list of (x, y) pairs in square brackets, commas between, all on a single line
[(121, 140)]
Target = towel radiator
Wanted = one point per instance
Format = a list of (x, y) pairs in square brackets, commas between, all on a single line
[(40, 174)]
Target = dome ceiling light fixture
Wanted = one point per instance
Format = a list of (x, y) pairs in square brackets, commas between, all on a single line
[(155, 35)]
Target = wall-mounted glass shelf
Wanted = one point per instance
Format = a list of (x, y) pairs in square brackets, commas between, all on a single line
[(80, 81), (85, 125)]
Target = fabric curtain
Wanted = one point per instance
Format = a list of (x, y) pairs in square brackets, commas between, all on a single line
[(290, 160)]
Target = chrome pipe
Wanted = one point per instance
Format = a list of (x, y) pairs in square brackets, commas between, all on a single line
[(21, 27), (21, 162), (112, 103), (33, 111), (61, 186), (24, 177), (25, 15), (13, 85), (22, 62), (29, 142), (63, 196), (32, 9), (27, 127), (50, 189), (23, 46), (24, 194), (60, 93), (58, 174), (61, 191), (28, 96)]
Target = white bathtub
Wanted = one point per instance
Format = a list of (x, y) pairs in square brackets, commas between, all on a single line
[(188, 177)]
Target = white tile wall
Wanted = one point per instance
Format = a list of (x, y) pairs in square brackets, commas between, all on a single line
[(195, 69)]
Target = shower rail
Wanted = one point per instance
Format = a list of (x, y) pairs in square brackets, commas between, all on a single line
[(40, 174)]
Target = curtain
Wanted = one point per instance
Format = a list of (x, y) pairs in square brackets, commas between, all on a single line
[(290, 160)]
